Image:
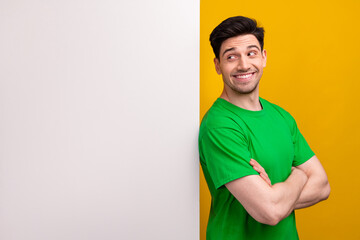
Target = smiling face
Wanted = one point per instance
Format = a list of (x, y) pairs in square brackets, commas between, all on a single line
[(241, 64)]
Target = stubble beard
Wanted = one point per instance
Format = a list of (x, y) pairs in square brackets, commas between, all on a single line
[(242, 90)]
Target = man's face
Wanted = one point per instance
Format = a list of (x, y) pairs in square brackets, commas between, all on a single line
[(241, 64)]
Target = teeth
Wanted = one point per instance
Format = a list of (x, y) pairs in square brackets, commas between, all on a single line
[(243, 76)]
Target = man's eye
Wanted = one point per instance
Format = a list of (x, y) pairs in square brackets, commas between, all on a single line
[(231, 57), (252, 53)]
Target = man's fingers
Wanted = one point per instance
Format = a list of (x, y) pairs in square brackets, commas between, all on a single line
[(266, 178), (254, 163), (257, 167)]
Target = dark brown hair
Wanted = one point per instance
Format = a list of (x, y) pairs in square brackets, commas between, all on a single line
[(233, 27)]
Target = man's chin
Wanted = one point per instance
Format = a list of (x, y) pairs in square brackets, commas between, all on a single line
[(244, 91)]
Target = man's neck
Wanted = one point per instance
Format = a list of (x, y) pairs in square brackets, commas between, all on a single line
[(246, 101)]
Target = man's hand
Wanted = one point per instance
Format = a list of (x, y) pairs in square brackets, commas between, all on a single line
[(267, 203), (316, 189), (257, 167)]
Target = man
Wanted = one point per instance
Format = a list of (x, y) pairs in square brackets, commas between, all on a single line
[(257, 165)]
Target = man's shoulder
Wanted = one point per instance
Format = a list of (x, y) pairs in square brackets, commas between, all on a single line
[(218, 116), (275, 108)]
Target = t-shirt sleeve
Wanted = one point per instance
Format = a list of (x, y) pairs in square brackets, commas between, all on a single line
[(302, 150), (227, 155)]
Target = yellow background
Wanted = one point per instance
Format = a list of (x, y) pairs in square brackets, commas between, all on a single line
[(313, 72)]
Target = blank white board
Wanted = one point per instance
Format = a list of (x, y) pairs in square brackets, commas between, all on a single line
[(99, 115)]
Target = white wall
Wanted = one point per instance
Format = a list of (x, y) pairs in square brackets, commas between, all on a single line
[(99, 119)]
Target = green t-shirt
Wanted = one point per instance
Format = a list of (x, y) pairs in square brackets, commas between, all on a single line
[(229, 137)]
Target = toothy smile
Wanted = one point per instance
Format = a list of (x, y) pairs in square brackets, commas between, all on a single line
[(243, 76)]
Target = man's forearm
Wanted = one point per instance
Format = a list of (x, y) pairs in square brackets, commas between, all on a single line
[(317, 187), (288, 192), (266, 203), (315, 190)]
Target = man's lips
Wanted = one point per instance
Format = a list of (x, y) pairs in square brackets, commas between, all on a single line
[(243, 76)]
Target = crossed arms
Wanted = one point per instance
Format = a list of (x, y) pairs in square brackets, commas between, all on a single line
[(269, 204)]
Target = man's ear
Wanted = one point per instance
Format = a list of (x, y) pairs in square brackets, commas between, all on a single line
[(264, 55), (217, 65)]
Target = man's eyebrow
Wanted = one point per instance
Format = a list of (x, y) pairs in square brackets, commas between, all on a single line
[(248, 47), (253, 46), (228, 50)]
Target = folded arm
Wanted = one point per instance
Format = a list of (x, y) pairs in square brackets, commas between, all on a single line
[(265, 203), (317, 187)]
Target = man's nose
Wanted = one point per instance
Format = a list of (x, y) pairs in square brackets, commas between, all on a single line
[(243, 64)]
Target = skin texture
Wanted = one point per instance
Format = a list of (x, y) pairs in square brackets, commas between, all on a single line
[(241, 62), (239, 57), (317, 187), (257, 167), (268, 204)]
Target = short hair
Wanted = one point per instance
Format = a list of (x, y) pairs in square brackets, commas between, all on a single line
[(233, 27)]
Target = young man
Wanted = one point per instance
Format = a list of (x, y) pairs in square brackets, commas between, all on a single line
[(257, 165)]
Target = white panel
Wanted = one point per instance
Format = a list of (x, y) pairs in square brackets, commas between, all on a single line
[(99, 109)]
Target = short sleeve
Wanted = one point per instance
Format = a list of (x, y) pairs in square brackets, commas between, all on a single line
[(302, 151), (227, 155)]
